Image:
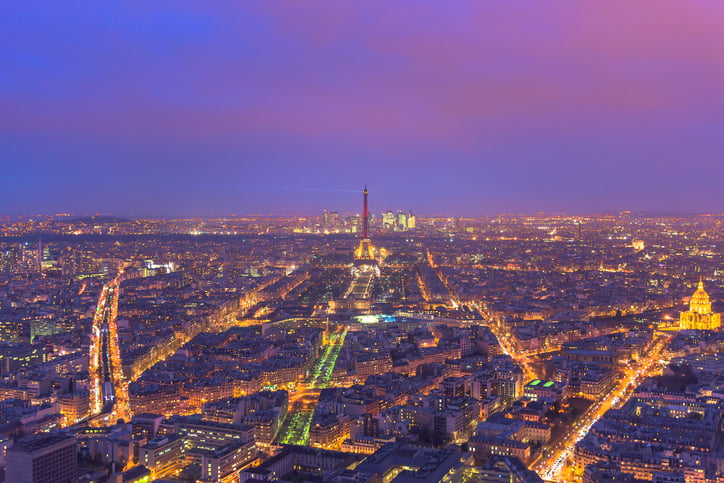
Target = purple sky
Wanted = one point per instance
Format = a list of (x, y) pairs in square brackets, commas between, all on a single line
[(464, 107)]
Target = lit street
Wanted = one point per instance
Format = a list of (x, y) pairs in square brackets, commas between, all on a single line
[(554, 462), (109, 388), (295, 428)]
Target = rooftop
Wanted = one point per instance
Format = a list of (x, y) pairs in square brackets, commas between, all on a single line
[(40, 441)]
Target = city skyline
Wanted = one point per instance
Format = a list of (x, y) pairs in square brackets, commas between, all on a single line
[(378, 213), (362, 241), (537, 348), (210, 109)]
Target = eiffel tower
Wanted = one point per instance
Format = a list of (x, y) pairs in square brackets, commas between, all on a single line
[(365, 251)]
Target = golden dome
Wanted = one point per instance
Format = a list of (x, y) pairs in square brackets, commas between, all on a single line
[(700, 302)]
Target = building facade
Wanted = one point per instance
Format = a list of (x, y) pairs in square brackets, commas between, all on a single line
[(43, 458)]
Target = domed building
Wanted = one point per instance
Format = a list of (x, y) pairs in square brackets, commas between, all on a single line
[(699, 316)]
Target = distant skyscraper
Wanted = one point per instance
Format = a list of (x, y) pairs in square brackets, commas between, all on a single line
[(401, 221), (40, 254), (388, 220), (43, 458), (411, 221)]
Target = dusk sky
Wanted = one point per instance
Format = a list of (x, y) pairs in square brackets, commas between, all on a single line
[(464, 107)]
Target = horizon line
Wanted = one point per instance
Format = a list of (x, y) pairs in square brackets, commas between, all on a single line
[(131, 217)]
